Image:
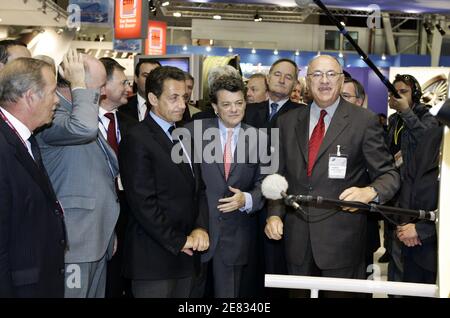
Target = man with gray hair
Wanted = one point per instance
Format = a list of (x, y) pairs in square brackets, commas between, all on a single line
[(32, 234), (83, 167)]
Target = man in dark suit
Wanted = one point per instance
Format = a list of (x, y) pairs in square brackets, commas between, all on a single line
[(336, 150), (32, 232), (167, 201), (281, 80), (136, 106), (113, 125), (233, 184)]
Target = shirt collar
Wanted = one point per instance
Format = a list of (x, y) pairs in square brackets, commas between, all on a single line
[(165, 125), (141, 100), (280, 103), (102, 111), (330, 109), (21, 129), (223, 129)]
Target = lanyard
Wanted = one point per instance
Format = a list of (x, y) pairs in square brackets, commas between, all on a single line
[(13, 128), (397, 132)]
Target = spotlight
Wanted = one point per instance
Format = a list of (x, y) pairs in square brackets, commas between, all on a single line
[(253, 51), (177, 14), (427, 28), (57, 18), (217, 17), (151, 6), (297, 53), (341, 55), (383, 57), (165, 4), (185, 48), (275, 52), (441, 31), (44, 7), (230, 49), (257, 17)]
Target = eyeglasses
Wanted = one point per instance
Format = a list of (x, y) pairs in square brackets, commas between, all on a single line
[(126, 83), (345, 95), (331, 75)]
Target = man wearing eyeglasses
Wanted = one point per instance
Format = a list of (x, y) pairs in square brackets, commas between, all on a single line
[(353, 92), (113, 125), (336, 150)]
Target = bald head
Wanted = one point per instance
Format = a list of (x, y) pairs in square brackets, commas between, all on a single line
[(325, 80), (94, 71)]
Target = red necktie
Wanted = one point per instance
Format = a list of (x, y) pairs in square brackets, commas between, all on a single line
[(111, 135), (227, 157), (315, 141)]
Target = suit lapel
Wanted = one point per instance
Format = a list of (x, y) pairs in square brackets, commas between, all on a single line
[(214, 123), (23, 156), (161, 137), (112, 157), (302, 133), (337, 126), (263, 112)]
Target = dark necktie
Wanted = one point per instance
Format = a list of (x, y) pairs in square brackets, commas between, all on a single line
[(315, 141), (175, 141), (36, 152), (273, 110), (147, 109), (111, 134)]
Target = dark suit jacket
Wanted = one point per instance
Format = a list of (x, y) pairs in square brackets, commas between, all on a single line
[(257, 114), (32, 232), (166, 203), (232, 233), (420, 190), (130, 108), (337, 241)]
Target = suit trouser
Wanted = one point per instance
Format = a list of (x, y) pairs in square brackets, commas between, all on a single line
[(165, 288), (226, 279), (310, 268), (86, 280)]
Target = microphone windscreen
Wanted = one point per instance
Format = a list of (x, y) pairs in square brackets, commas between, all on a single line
[(273, 185)]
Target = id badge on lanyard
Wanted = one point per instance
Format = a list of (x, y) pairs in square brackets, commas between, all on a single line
[(337, 165)]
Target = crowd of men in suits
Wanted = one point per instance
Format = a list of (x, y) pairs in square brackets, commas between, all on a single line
[(93, 202)]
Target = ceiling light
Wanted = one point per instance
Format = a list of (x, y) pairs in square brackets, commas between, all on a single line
[(383, 57), (217, 17), (165, 3), (208, 49), (275, 52), (230, 49), (177, 14), (427, 28), (341, 55), (57, 18), (184, 47), (253, 51), (441, 31), (151, 6), (59, 31), (297, 53)]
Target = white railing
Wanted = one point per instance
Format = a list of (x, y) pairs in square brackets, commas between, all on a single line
[(350, 285)]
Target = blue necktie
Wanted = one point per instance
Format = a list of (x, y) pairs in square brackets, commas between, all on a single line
[(273, 110)]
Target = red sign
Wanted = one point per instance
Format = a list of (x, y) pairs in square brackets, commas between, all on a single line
[(156, 40), (128, 22)]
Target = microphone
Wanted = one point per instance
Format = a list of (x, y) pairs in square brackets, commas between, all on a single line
[(442, 112), (274, 187)]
